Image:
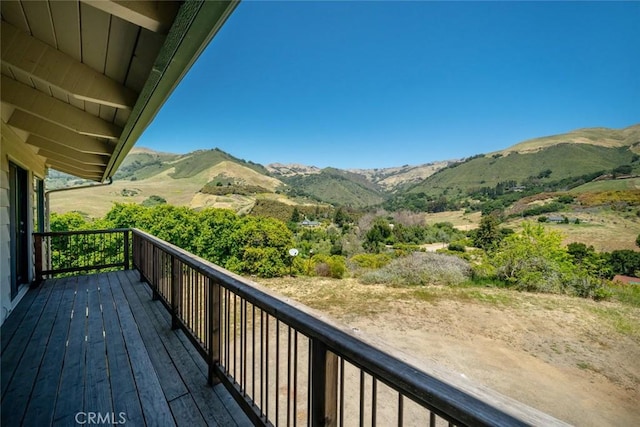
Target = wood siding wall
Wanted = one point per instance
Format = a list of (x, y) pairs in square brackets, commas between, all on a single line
[(13, 149)]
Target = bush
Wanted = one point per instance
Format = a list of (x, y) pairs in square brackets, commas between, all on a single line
[(534, 260), (154, 200), (334, 266), (456, 247), (421, 268), (370, 260)]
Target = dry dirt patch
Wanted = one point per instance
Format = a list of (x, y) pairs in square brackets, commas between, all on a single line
[(575, 359)]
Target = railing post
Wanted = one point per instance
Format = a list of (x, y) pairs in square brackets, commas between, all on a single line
[(126, 249), (214, 330), (176, 291), (324, 386), (38, 255)]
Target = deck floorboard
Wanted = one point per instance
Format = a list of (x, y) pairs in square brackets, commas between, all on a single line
[(99, 344)]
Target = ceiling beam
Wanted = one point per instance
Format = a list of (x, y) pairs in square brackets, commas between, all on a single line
[(156, 16), (47, 130), (34, 102), (55, 151), (43, 62), (72, 170)]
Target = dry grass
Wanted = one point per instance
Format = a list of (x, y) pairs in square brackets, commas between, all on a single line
[(578, 358), (604, 230)]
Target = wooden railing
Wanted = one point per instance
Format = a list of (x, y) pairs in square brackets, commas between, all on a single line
[(287, 366), (81, 251)]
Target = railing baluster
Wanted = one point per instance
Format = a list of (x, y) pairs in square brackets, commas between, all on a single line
[(176, 291), (361, 398), (277, 369), (214, 329), (374, 400)]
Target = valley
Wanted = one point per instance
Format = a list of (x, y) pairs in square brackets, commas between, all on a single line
[(453, 191)]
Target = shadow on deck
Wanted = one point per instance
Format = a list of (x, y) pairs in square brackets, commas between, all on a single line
[(97, 348)]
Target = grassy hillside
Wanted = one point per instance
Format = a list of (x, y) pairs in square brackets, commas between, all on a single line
[(336, 187), (604, 137), (609, 185), (562, 160)]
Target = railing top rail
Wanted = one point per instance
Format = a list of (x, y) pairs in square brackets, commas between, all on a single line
[(416, 384), (69, 233)]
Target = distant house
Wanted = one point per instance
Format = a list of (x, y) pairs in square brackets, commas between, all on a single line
[(308, 223), (627, 280)]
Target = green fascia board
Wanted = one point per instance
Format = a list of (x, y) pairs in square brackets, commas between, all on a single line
[(196, 23)]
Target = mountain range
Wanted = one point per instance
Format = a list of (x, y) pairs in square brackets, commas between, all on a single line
[(215, 178)]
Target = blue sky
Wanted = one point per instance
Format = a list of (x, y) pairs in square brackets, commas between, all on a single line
[(381, 84)]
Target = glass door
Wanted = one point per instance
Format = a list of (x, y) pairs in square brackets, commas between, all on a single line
[(18, 225)]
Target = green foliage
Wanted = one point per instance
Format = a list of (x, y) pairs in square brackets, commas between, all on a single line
[(638, 240), (295, 215), (370, 261), (215, 188), (340, 188), (284, 211), (247, 245), (533, 260), (525, 168), (542, 209), (154, 200), (70, 221), (627, 294), (420, 268), (334, 266), (457, 247), (379, 235), (566, 199), (260, 246), (341, 218), (625, 261), (488, 235)]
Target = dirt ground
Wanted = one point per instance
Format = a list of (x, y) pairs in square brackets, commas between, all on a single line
[(577, 360)]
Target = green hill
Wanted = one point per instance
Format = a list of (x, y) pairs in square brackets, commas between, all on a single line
[(604, 137), (337, 187), (552, 164)]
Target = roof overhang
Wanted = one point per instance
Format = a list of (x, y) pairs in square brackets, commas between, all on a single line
[(81, 80)]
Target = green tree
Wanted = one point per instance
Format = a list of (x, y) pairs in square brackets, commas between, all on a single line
[(624, 261), (260, 246), (534, 260), (295, 215), (378, 235), (341, 218), (213, 241), (69, 221), (154, 200), (488, 234)]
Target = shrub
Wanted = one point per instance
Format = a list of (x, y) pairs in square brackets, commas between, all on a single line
[(153, 200), (370, 260), (457, 247), (334, 266), (421, 268)]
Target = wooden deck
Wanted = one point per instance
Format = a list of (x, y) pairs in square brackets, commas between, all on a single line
[(97, 348)]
